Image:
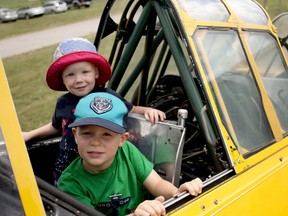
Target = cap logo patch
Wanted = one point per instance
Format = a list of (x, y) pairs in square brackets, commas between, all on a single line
[(101, 105)]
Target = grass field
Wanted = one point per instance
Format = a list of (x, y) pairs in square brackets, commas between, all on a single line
[(274, 7), (15, 4), (33, 100), (48, 20)]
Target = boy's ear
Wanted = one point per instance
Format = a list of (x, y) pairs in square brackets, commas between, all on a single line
[(74, 130), (96, 72), (123, 138)]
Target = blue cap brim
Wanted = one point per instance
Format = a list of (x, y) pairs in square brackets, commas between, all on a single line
[(98, 122)]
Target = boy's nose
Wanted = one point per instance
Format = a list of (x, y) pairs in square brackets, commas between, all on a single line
[(79, 78), (95, 142)]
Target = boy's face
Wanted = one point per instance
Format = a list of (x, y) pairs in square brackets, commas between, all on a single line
[(80, 77), (97, 146)]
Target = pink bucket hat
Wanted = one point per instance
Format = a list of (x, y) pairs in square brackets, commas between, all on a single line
[(75, 50)]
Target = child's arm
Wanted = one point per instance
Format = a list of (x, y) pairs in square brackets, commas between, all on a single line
[(41, 132), (150, 114), (160, 187)]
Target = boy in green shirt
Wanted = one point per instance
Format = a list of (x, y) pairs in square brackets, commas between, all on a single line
[(111, 175)]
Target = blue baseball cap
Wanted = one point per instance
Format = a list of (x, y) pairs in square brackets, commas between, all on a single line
[(101, 109), (74, 50)]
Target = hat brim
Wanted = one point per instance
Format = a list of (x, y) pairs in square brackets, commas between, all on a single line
[(98, 122), (54, 73)]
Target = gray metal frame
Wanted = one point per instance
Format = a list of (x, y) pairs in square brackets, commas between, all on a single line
[(161, 143)]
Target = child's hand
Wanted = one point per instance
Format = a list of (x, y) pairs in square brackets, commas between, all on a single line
[(151, 207), (154, 115), (194, 187)]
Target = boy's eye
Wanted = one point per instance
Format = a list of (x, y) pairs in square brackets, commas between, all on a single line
[(69, 74), (87, 133), (85, 71), (106, 134)]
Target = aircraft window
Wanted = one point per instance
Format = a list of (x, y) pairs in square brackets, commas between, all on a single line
[(207, 10), (267, 54), (248, 11), (281, 22), (271, 66), (10, 203), (236, 94)]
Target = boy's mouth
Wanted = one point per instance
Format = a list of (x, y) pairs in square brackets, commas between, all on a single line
[(95, 153), (81, 87)]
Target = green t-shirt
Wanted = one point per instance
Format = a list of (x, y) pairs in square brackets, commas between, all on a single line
[(117, 190)]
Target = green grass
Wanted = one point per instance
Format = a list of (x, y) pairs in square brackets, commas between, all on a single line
[(274, 7), (15, 4), (22, 26), (33, 100)]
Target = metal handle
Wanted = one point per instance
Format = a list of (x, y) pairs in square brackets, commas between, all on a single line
[(182, 115), (206, 131)]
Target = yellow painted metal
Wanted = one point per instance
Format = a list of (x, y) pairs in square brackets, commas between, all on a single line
[(190, 25), (17, 151), (261, 190), (260, 186)]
